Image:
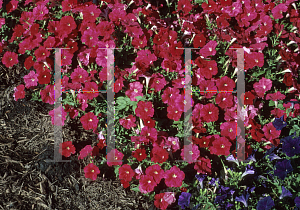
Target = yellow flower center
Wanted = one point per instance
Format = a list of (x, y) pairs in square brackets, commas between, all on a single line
[(90, 120), (222, 146), (92, 170), (67, 148), (174, 175)]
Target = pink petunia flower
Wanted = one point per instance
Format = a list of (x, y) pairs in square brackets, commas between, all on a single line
[(144, 109), (87, 150), (278, 10), (190, 153), (126, 173), (262, 86), (30, 79), (58, 116), (114, 159), (209, 49), (270, 131), (135, 90)]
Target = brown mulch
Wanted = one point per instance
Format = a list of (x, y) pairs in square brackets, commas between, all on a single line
[(28, 181)]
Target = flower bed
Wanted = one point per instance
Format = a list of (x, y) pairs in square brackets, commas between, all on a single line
[(150, 80)]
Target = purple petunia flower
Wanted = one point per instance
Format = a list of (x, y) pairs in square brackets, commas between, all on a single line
[(291, 147), (285, 193), (265, 204), (243, 198), (231, 158), (201, 179), (297, 201), (249, 170), (283, 168), (274, 157), (213, 181), (184, 200), (279, 123)]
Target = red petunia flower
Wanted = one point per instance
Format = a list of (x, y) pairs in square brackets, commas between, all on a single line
[(139, 154), (91, 171), (288, 79), (113, 160), (270, 131), (210, 69), (144, 110), (159, 155), (128, 122), (174, 177), (275, 96), (28, 62), (149, 122), (224, 100), (209, 49), (48, 94), (126, 173), (203, 166), (248, 98), (174, 113), (147, 184), (220, 146), (90, 89), (89, 121), (67, 148), (262, 86), (66, 25), (199, 41), (9, 59), (79, 75), (157, 82), (159, 201), (234, 9), (225, 84), (209, 113), (156, 172), (11, 6), (44, 77), (19, 92), (184, 5), (68, 5)]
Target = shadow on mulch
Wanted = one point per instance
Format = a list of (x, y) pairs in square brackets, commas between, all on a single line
[(27, 181)]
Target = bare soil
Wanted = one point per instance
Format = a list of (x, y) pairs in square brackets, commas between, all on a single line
[(28, 181)]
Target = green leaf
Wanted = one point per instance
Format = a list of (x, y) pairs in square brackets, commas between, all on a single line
[(136, 189), (271, 103)]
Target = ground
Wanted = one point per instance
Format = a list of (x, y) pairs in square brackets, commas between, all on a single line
[(27, 181)]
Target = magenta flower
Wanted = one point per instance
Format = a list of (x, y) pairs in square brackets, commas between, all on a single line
[(135, 90), (9, 59), (209, 49), (89, 121), (91, 171), (234, 9), (19, 92), (57, 118), (191, 154), (147, 184), (174, 177), (114, 159), (270, 131), (30, 79), (262, 86), (87, 150), (278, 10)]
